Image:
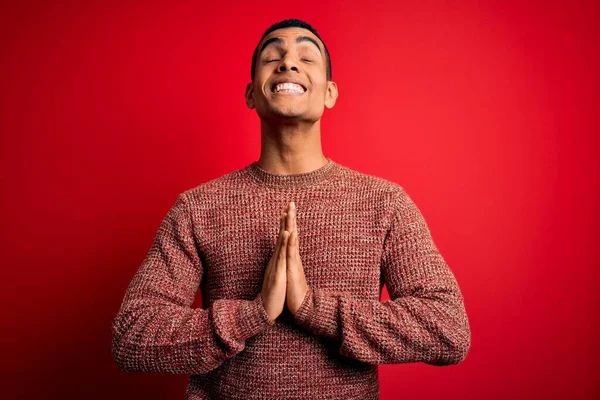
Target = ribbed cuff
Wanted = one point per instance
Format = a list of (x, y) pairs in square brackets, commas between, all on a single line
[(248, 318), (319, 313), (253, 318)]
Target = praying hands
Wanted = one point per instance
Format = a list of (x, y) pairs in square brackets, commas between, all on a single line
[(284, 281)]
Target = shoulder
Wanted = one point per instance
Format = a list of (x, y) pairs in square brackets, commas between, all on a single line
[(213, 188), (373, 184)]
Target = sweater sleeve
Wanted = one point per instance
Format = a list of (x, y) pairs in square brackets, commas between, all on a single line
[(425, 319), (156, 330)]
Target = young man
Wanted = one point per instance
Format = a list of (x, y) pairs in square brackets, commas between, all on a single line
[(290, 254)]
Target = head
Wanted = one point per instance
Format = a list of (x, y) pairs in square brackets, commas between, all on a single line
[(291, 74)]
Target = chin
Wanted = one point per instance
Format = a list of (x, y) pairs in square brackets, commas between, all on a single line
[(287, 113), (282, 113)]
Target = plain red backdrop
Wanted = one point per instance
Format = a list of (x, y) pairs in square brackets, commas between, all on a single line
[(487, 114)]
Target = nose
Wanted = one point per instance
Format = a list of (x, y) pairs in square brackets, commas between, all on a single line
[(287, 64)]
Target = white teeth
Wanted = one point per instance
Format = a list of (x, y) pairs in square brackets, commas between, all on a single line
[(289, 87)]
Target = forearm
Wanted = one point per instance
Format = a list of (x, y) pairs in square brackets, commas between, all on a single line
[(433, 330), (156, 330), (151, 336)]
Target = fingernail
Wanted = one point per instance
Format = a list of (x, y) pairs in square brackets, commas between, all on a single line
[(293, 205)]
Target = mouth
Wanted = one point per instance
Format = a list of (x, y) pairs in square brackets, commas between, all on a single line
[(288, 88)]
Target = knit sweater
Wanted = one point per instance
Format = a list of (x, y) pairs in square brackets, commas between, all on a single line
[(355, 231)]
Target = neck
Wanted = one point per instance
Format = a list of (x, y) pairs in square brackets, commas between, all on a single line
[(291, 148)]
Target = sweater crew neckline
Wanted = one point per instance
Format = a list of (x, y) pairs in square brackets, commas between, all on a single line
[(293, 180)]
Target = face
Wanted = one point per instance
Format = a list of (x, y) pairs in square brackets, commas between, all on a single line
[(290, 81)]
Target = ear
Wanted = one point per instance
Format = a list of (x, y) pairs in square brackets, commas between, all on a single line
[(249, 95), (331, 95)]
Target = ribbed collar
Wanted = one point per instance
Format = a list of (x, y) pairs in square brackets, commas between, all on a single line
[(294, 180)]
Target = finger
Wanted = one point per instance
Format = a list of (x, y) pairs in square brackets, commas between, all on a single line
[(291, 253), (296, 245), (283, 248), (282, 222), (280, 242), (280, 235), (289, 220), (294, 214)]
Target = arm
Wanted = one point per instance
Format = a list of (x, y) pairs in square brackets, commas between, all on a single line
[(156, 330), (425, 320)]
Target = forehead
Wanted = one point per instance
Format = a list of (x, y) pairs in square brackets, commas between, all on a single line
[(288, 35)]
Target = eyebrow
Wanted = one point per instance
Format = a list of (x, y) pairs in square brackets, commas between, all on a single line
[(299, 39)]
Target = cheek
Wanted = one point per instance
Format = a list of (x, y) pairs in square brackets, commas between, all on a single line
[(320, 89), (260, 80), (258, 87), (319, 82)]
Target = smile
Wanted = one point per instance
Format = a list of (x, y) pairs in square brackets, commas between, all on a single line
[(288, 88)]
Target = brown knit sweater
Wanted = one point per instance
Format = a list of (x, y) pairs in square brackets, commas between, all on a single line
[(356, 232)]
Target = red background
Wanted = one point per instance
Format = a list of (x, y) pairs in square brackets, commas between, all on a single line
[(487, 114)]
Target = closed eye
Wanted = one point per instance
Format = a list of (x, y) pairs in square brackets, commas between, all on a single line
[(272, 60)]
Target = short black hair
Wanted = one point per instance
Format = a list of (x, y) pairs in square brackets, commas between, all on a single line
[(290, 23)]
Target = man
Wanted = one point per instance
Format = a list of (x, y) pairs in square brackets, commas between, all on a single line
[(290, 254)]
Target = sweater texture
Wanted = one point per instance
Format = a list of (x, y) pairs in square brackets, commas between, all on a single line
[(356, 232)]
